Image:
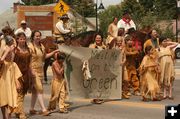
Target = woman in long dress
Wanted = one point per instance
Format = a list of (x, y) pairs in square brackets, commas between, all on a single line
[(167, 66), (22, 59), (9, 83), (37, 60)]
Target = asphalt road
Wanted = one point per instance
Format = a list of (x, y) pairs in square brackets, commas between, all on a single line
[(132, 108)]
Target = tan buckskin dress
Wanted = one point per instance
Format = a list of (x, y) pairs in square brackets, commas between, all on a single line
[(37, 59), (22, 59), (167, 66), (10, 74), (148, 78)]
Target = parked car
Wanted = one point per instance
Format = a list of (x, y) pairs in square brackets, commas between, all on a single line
[(177, 51)]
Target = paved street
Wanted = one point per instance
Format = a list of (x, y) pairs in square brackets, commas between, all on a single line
[(133, 108)]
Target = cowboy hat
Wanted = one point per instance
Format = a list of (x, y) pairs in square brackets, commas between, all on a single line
[(23, 22), (125, 12), (131, 30), (65, 16)]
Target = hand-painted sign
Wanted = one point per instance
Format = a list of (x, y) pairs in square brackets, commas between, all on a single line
[(104, 68)]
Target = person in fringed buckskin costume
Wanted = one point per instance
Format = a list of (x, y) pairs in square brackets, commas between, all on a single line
[(5, 32), (131, 54), (149, 73), (9, 75), (167, 66), (98, 43), (22, 59), (152, 40), (58, 85), (37, 60)]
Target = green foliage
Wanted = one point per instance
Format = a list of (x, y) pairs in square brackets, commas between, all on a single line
[(165, 9), (148, 20), (83, 7), (78, 26), (147, 4), (37, 2), (169, 32)]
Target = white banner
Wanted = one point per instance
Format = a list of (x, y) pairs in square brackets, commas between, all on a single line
[(103, 71)]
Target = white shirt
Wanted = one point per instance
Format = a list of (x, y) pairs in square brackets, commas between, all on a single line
[(27, 32), (62, 28), (122, 24)]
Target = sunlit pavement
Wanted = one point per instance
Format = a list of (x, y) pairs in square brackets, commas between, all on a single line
[(132, 108)]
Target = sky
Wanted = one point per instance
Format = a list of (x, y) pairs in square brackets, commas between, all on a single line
[(7, 4), (108, 2)]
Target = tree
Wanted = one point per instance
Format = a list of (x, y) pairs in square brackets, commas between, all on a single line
[(83, 7), (148, 5), (165, 9), (38, 2), (148, 20)]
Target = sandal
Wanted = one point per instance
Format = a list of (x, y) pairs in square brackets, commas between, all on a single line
[(165, 97), (145, 99), (32, 112), (17, 115), (97, 101), (63, 110), (22, 117), (45, 113), (156, 99), (171, 98), (67, 105)]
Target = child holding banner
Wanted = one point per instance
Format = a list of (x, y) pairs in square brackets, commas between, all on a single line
[(120, 46), (125, 83), (58, 85), (98, 44)]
